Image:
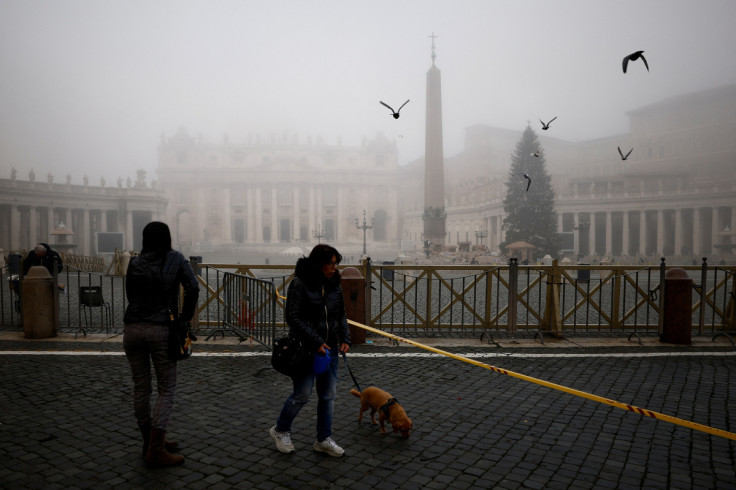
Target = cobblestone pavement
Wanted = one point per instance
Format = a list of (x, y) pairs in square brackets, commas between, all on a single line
[(67, 419)]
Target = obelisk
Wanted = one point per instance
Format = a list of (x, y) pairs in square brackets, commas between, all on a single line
[(434, 176)]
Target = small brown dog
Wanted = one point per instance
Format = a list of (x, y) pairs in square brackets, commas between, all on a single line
[(386, 406)]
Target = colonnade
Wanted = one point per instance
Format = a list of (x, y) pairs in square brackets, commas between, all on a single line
[(679, 231), (25, 226), (32, 212)]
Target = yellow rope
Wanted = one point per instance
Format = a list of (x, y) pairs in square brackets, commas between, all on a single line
[(589, 396)]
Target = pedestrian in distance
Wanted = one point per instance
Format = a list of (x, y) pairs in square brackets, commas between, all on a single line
[(152, 288), (315, 313)]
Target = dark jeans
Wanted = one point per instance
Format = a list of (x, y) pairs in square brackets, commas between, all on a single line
[(326, 388)]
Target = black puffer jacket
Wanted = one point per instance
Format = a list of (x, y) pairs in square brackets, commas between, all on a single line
[(309, 297), (152, 287)]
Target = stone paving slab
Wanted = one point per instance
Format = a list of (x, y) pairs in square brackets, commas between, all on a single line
[(67, 420)]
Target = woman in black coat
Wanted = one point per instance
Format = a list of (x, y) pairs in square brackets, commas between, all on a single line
[(152, 288), (315, 313)]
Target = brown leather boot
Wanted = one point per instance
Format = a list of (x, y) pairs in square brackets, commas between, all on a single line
[(157, 454), (170, 446)]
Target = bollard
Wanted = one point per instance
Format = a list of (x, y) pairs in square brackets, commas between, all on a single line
[(40, 304), (353, 290), (677, 322)]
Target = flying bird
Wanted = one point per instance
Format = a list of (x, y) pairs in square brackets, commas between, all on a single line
[(535, 154), (633, 57), (624, 157), (545, 127), (529, 180), (394, 113)]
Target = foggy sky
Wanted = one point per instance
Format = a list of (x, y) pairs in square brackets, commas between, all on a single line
[(88, 87)]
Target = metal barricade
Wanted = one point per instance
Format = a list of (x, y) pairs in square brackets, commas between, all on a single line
[(249, 309)]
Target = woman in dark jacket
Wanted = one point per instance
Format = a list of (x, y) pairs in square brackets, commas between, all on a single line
[(152, 287), (315, 313)]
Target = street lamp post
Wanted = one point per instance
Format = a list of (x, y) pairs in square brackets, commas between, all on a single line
[(319, 234), (582, 227), (480, 234), (364, 227)]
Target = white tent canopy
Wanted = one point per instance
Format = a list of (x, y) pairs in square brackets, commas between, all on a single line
[(293, 251)]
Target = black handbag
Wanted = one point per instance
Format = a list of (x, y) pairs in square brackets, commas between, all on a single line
[(290, 357), (180, 339)]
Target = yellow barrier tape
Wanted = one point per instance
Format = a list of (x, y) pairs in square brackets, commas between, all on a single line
[(572, 391)]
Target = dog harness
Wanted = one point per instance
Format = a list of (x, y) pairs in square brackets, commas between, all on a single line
[(386, 406)]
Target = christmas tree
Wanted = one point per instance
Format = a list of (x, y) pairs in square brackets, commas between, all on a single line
[(529, 201)]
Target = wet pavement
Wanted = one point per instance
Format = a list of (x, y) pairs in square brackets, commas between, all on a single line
[(66, 417)]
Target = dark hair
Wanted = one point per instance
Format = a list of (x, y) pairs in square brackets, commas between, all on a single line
[(156, 238), (323, 253)]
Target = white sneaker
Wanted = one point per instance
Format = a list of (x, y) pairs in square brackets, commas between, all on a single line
[(282, 440), (328, 446)]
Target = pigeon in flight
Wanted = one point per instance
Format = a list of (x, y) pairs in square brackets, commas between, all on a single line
[(394, 113), (633, 57), (624, 157), (536, 154), (545, 127), (529, 180)]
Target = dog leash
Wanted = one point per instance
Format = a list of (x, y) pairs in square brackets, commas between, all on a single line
[(351, 372)]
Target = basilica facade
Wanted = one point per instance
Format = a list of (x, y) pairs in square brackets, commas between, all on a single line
[(231, 195)]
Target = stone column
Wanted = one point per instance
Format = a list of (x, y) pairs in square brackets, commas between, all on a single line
[(50, 221), (201, 221), (69, 223), (502, 232), (259, 216), (32, 225), (274, 216), (576, 235), (625, 234), (295, 214), (14, 228), (227, 222), (609, 234), (312, 213), (250, 216), (318, 205), (339, 235), (84, 233), (678, 231), (103, 220), (714, 230), (591, 234), (660, 232), (697, 241), (129, 242), (642, 232)]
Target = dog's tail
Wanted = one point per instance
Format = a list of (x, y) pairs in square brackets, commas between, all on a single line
[(355, 392)]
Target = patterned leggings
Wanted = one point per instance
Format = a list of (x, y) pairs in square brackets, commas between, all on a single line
[(143, 344)]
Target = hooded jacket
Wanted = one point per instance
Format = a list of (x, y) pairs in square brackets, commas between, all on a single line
[(152, 287), (312, 303)]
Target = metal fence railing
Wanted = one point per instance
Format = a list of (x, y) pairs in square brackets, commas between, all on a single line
[(467, 300)]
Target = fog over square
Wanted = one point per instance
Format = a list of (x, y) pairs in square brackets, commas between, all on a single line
[(89, 87)]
